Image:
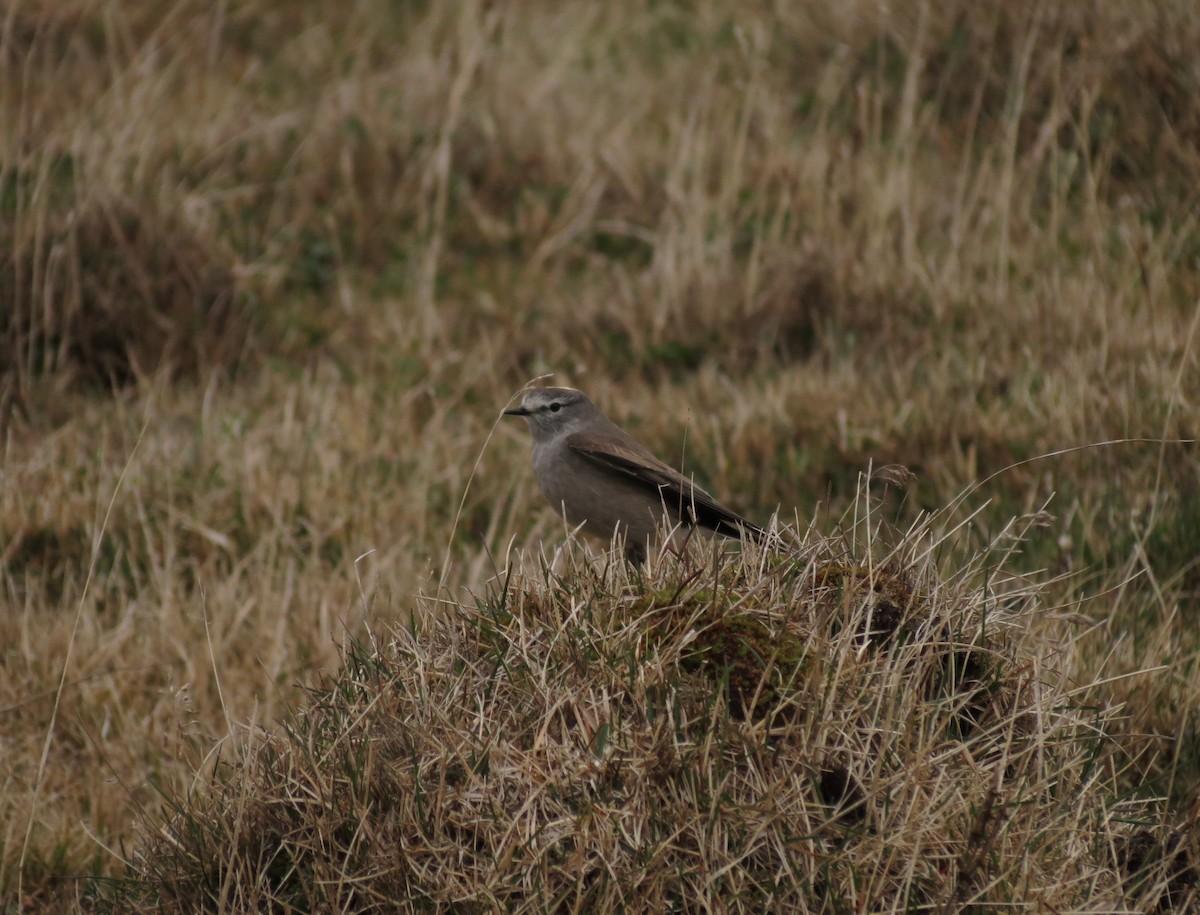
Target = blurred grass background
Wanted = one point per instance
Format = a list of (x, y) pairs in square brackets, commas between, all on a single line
[(268, 272)]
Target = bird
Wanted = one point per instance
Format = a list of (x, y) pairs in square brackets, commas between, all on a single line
[(604, 481)]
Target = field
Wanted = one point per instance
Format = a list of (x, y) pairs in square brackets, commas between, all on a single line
[(281, 621)]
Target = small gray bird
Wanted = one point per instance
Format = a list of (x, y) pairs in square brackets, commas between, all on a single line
[(605, 481)]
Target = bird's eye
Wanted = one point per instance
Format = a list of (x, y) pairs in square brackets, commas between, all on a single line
[(555, 407)]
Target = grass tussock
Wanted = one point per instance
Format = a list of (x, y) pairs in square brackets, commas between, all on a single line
[(268, 273), (831, 727), (113, 293)]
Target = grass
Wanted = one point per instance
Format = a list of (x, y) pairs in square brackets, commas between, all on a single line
[(270, 273), (783, 729)]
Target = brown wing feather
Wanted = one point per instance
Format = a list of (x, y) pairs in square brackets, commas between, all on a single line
[(632, 459)]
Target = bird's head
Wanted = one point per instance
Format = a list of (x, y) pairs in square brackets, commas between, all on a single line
[(551, 412)]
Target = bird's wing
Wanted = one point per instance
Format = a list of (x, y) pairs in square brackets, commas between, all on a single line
[(642, 468)]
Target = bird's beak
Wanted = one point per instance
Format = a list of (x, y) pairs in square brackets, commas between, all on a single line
[(517, 411)]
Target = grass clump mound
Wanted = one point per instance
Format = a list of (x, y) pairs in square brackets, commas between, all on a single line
[(713, 732)]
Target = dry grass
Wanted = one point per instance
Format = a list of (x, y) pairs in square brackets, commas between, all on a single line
[(829, 728), (270, 270)]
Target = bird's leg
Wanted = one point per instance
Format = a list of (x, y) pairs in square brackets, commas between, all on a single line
[(681, 551), (687, 538), (635, 553)]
